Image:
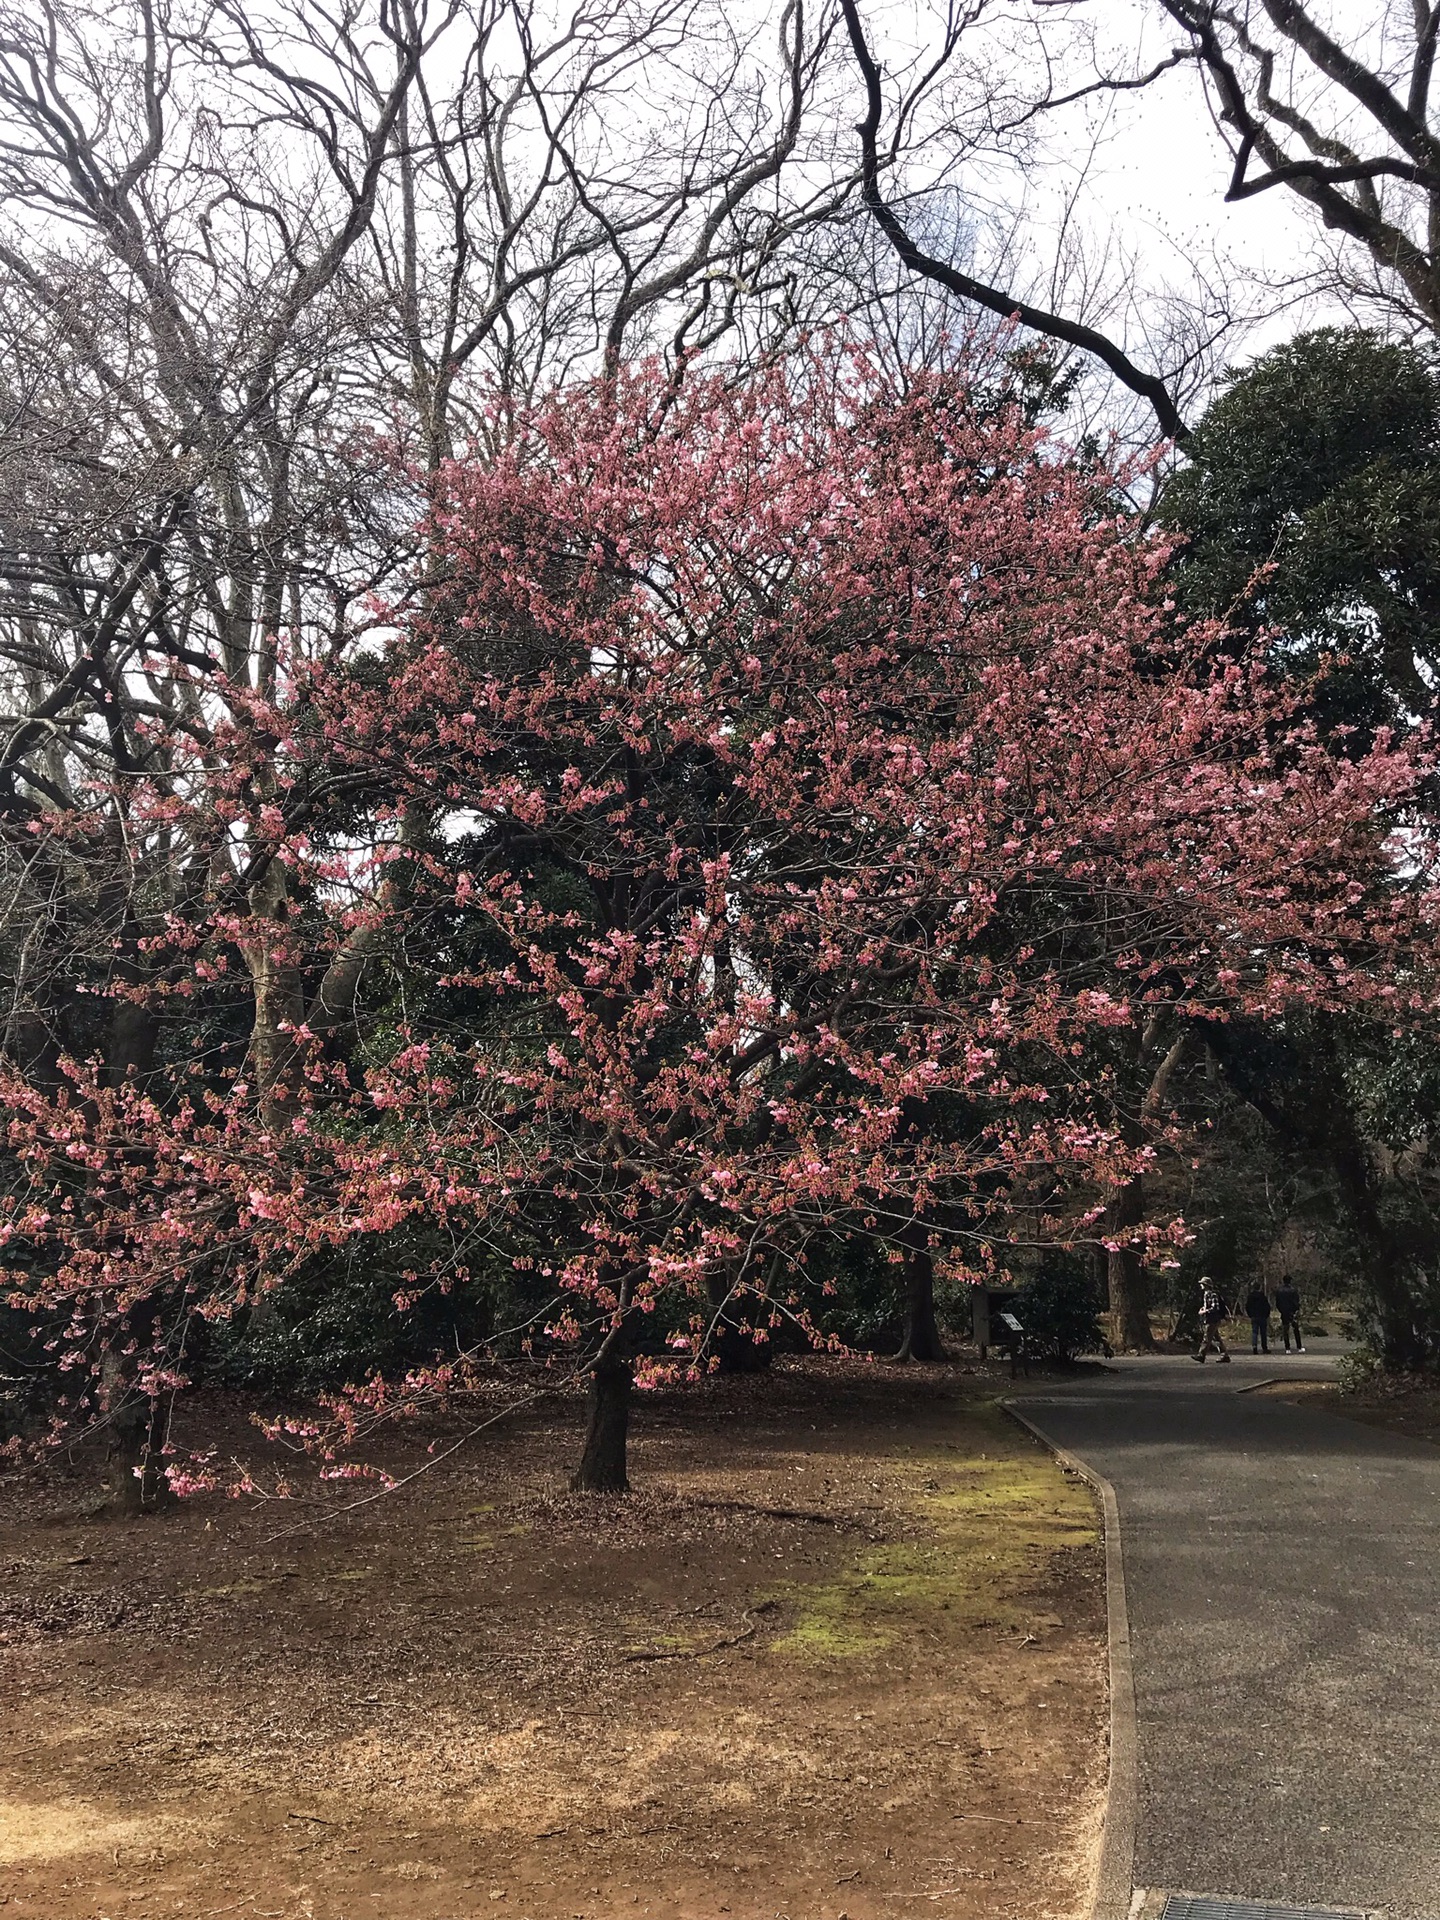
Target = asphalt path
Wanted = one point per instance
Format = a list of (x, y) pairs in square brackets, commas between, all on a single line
[(1283, 1583)]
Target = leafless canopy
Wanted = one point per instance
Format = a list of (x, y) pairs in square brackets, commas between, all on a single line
[(263, 263), (1343, 117), (1054, 325)]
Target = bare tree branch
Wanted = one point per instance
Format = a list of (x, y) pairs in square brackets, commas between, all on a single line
[(1055, 326)]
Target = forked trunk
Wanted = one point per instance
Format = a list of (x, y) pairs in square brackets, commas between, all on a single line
[(922, 1331), (603, 1463)]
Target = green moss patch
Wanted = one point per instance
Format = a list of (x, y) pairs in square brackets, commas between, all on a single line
[(989, 1512)]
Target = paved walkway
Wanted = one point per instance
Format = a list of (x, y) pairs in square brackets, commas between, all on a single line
[(1283, 1575)]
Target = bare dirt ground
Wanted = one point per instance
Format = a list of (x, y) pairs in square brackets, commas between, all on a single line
[(840, 1655), (1404, 1405)]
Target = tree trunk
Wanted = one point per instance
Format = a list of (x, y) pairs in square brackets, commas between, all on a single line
[(279, 1006), (133, 1025), (154, 1487), (1402, 1345), (922, 1333), (133, 1033), (733, 1340), (134, 1029), (36, 1051), (1129, 1286), (135, 1461), (602, 1465)]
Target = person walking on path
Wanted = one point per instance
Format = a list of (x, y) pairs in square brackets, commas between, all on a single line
[(1287, 1305), (1212, 1311), (1257, 1305)]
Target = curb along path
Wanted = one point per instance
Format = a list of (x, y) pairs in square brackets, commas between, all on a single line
[(1114, 1876)]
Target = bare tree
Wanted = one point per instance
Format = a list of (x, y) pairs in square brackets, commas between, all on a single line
[(1346, 124), (261, 265), (878, 158)]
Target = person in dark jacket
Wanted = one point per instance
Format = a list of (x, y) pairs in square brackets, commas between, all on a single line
[(1257, 1305), (1287, 1305)]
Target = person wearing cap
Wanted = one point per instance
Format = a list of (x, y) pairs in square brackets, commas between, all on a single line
[(1212, 1311)]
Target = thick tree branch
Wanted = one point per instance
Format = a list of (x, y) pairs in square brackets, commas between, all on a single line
[(1247, 102), (1055, 326), (1287, 175)]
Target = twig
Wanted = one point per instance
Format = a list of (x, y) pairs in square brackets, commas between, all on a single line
[(781, 1513), (383, 1493), (701, 1653), (941, 1893), (690, 1653)]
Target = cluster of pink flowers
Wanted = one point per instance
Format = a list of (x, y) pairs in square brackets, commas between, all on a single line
[(811, 777)]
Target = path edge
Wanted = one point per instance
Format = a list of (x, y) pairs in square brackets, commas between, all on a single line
[(1115, 1870)]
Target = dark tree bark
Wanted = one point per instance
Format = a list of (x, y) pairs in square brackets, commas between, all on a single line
[(1128, 1283), (922, 1332), (36, 1051), (136, 1460), (733, 1338), (603, 1466), (133, 1035), (1402, 1344)]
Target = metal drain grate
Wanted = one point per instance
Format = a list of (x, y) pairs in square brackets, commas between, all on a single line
[(1184, 1906)]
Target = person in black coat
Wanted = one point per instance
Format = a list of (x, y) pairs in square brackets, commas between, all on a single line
[(1287, 1305), (1257, 1305)]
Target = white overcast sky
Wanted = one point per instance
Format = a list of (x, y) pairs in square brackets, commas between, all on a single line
[(1160, 177)]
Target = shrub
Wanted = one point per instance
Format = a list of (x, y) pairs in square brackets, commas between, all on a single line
[(1060, 1312)]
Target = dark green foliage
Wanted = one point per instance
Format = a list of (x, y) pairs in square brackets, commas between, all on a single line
[(1398, 1319), (859, 1300), (1245, 1187), (1320, 464), (1060, 1309), (856, 1295), (339, 1324), (1395, 1082), (1322, 460), (1349, 1105)]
